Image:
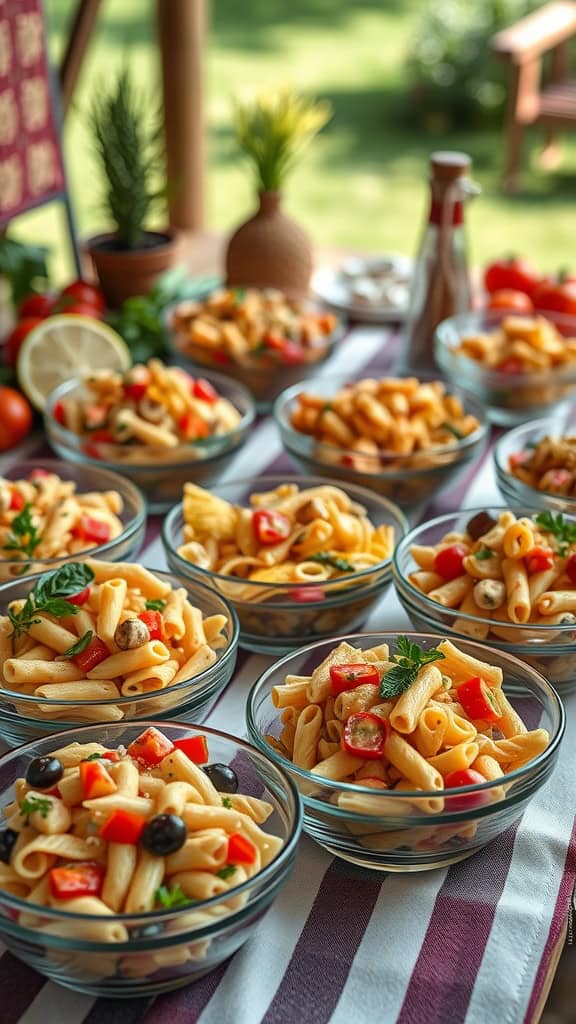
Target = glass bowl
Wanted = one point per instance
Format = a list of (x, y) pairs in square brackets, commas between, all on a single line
[(410, 480), (514, 490), (21, 719), (509, 398), (550, 650), (161, 950), (86, 478), (163, 471), (264, 380), (294, 613), (396, 834)]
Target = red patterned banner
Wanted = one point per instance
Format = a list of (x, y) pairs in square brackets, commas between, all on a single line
[(31, 169)]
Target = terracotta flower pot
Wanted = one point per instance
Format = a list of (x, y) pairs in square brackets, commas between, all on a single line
[(270, 251), (123, 273)]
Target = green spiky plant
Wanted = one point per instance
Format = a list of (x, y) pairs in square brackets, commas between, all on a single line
[(274, 130), (129, 148)]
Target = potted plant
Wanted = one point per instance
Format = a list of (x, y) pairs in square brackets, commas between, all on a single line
[(270, 249), (130, 152)]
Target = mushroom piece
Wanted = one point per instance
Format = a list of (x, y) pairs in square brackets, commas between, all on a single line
[(489, 593), (130, 634), (311, 510)]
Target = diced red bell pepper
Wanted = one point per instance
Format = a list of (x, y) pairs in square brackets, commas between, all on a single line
[(222, 358), (72, 880), (92, 655), (511, 365), (102, 436), (478, 700), (306, 594), (571, 568), (91, 529), (539, 559), (80, 598), (95, 416), (154, 624), (151, 747), (59, 413), (203, 389), (270, 527), (195, 748), (465, 777), (192, 427), (136, 382), (135, 391), (38, 474), (347, 677), (518, 459), (240, 850), (123, 827), (95, 780), (17, 502), (290, 352), (110, 755), (554, 479), (449, 562), (365, 735)]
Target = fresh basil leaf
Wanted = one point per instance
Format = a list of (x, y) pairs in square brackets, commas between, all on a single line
[(80, 646)]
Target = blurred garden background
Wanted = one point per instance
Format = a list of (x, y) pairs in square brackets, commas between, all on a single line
[(403, 76)]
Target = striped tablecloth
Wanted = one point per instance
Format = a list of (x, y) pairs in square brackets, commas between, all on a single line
[(471, 943)]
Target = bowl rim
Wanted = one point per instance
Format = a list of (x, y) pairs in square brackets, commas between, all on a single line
[(256, 736), (404, 585), (114, 481), (67, 437), (544, 423), (394, 510), (444, 345), (159, 915), (229, 652), (339, 381)]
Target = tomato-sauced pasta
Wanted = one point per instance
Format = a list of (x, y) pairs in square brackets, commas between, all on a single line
[(287, 535), (96, 631), (549, 465), (520, 345), (100, 831)]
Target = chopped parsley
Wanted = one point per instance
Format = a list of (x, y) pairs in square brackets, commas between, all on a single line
[(565, 533), (327, 558), (24, 536), (483, 554), (30, 804), (226, 872), (227, 803), (155, 604)]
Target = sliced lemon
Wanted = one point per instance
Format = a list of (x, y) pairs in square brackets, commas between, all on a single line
[(65, 346)]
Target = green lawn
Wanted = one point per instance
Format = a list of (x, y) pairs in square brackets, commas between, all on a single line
[(364, 183)]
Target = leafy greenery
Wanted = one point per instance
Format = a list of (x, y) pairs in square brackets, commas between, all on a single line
[(564, 532), (171, 899), (227, 871), (410, 659), (23, 536), (155, 604), (30, 804), (49, 596), (129, 148), (483, 554), (227, 803), (273, 131), (23, 266), (80, 646)]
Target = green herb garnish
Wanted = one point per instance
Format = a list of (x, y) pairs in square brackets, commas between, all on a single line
[(30, 804), (452, 430), (410, 659), (80, 646), (155, 605), (483, 554), (170, 899), (96, 756), (326, 558), (564, 532), (49, 596), (226, 872), (227, 803), (23, 534)]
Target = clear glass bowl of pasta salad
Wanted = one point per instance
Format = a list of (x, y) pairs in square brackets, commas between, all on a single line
[(503, 576), (50, 511), (403, 437), (108, 642), (297, 557), (149, 871), (381, 734), (152, 439), (519, 367), (536, 463)]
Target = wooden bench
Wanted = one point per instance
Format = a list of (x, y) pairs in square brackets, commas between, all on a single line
[(551, 106)]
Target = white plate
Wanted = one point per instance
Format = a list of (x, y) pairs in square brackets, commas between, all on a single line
[(336, 287)]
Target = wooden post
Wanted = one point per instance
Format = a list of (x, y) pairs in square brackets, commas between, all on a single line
[(83, 24), (181, 33)]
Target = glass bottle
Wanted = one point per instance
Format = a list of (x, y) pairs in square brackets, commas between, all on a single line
[(440, 284)]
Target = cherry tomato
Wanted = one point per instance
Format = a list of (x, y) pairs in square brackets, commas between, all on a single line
[(16, 419), (154, 624), (478, 701), (92, 655), (464, 777), (507, 298), (16, 502), (91, 529), (136, 382), (365, 735), (14, 340), (571, 568), (80, 309), (448, 563), (556, 295), (270, 527), (80, 598), (347, 677), (85, 293), (37, 305), (202, 389), (73, 880), (512, 272), (511, 365), (192, 426), (195, 748), (539, 559)]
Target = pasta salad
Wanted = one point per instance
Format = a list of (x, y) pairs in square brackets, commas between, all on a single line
[(548, 465), (151, 827), (95, 632), (520, 345)]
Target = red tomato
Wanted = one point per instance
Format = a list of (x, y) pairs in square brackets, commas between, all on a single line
[(86, 294), (151, 747), (95, 780), (36, 305), (16, 418), (240, 850), (478, 701), (80, 309), (154, 624), (365, 735), (571, 568), (512, 272), (90, 529), (306, 594), (347, 677), (16, 502), (556, 295), (136, 382), (123, 827), (203, 390), (511, 365), (102, 437), (92, 655), (270, 527), (464, 777), (518, 459), (84, 879), (506, 298), (448, 563), (539, 559), (59, 413), (192, 426), (290, 352), (195, 748), (14, 340), (80, 598)]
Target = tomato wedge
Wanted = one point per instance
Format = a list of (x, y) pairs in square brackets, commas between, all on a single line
[(80, 598), (478, 701), (192, 426), (240, 850), (346, 677), (539, 559), (202, 389), (16, 502), (96, 780), (151, 747), (91, 529), (465, 777), (154, 624), (72, 880), (195, 748), (365, 735), (270, 527), (92, 655), (123, 827)]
